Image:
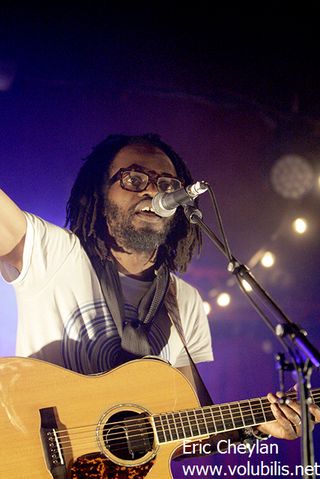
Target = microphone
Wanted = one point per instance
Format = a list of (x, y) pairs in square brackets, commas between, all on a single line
[(165, 204)]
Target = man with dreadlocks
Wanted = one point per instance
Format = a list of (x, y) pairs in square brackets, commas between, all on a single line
[(104, 291)]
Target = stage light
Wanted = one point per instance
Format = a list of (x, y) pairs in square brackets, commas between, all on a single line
[(207, 307), (268, 259), (223, 300), (300, 225), (292, 176)]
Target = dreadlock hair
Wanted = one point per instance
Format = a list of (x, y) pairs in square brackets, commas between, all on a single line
[(85, 207)]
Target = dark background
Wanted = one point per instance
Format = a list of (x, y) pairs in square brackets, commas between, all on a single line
[(231, 91)]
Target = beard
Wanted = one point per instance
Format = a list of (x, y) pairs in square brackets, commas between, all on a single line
[(129, 237)]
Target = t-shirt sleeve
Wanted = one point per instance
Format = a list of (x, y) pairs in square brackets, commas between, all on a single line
[(195, 325), (46, 248)]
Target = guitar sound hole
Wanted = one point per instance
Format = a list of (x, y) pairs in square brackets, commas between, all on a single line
[(128, 435)]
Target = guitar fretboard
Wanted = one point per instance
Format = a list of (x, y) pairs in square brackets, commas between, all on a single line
[(208, 420)]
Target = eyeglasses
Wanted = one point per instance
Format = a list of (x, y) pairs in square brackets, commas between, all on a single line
[(132, 180)]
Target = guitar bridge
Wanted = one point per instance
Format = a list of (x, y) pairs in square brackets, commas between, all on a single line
[(51, 443)]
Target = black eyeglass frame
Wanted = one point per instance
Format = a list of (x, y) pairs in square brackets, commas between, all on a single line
[(152, 178)]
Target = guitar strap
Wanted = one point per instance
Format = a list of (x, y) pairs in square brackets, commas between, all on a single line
[(133, 334), (171, 305)]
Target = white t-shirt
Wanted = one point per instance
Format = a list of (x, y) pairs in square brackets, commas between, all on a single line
[(63, 317)]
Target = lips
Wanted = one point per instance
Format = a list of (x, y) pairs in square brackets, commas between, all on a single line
[(144, 210), (144, 207)]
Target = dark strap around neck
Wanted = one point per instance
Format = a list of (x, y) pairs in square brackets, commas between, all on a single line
[(133, 334), (111, 288)]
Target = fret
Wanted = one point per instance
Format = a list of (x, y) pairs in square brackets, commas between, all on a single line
[(210, 410), (253, 418), (159, 429), (168, 426), (248, 419), (237, 415), (182, 425), (177, 421), (172, 427), (186, 423), (241, 413), (220, 425), (231, 415), (163, 428), (218, 420), (258, 413), (198, 432), (262, 408), (315, 396), (226, 416), (193, 427), (202, 422), (268, 412)]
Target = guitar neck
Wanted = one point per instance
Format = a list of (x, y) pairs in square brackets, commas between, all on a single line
[(209, 420)]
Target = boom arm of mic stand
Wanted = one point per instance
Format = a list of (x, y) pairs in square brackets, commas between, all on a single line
[(288, 328), (281, 331)]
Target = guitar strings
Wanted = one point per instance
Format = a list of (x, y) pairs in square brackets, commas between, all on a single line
[(123, 446), (209, 410), (189, 424), (121, 441)]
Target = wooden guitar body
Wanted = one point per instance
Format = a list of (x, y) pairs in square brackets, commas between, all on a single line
[(125, 424), (79, 403)]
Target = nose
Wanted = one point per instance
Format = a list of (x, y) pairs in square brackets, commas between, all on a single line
[(151, 189)]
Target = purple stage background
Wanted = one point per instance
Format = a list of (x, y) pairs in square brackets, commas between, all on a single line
[(68, 80)]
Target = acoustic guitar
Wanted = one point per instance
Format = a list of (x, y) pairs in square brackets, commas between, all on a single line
[(124, 424)]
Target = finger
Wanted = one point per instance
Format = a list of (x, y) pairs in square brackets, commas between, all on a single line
[(291, 409), (315, 411), (275, 399), (290, 412), (293, 405), (287, 413), (272, 398), (291, 431), (288, 404)]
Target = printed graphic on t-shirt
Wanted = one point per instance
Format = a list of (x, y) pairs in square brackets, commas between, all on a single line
[(91, 343)]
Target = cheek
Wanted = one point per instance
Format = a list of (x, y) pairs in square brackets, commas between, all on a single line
[(119, 197), (114, 194)]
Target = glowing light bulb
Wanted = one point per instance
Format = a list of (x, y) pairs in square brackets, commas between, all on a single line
[(300, 225), (268, 259), (223, 300)]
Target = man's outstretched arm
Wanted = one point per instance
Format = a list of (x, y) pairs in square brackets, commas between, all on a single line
[(12, 232)]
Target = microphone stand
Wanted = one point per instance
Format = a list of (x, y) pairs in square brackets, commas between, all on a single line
[(303, 354)]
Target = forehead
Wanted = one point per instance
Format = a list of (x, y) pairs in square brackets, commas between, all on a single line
[(148, 157)]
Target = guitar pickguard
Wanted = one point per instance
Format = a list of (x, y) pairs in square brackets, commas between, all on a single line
[(97, 466)]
